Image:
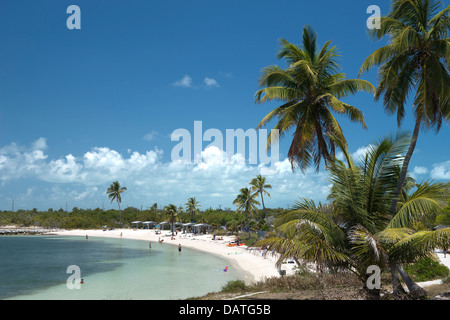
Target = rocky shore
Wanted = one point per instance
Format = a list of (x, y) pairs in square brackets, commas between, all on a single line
[(25, 231)]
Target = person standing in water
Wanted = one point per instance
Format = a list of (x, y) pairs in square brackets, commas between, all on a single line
[(179, 247)]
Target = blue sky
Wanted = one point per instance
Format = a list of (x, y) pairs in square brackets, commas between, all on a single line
[(82, 108)]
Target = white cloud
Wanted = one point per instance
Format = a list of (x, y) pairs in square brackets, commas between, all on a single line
[(150, 136), (359, 154), (40, 144), (185, 82), (210, 82), (82, 180), (420, 170), (441, 171)]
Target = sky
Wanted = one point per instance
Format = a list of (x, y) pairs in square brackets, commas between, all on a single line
[(81, 108)]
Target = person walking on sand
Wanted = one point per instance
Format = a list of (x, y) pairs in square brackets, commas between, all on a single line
[(445, 252)]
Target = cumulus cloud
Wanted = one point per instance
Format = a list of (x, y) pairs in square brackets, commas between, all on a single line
[(418, 171), (185, 82), (84, 178), (150, 136), (441, 171), (209, 82)]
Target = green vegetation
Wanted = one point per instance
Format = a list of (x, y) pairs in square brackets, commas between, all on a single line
[(310, 89), (355, 230), (96, 218), (114, 193), (415, 61), (427, 269), (234, 286)]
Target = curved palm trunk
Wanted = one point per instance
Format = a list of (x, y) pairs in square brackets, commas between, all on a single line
[(416, 291), (398, 291), (402, 177), (413, 288)]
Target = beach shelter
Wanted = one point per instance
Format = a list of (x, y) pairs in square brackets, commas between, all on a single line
[(148, 224), (162, 224), (186, 226), (199, 226), (136, 224)]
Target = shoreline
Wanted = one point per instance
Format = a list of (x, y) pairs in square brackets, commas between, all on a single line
[(250, 262)]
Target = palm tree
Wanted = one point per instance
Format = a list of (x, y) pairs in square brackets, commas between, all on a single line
[(172, 210), (191, 206), (114, 193), (415, 60), (310, 89), (246, 202), (357, 230), (259, 185)]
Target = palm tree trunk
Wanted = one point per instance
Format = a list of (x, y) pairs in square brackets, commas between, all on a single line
[(264, 208), (398, 291), (120, 214), (416, 291), (405, 165), (248, 223)]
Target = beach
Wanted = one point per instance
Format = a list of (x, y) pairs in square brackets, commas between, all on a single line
[(251, 262)]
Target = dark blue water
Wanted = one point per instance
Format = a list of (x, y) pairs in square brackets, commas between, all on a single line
[(34, 267)]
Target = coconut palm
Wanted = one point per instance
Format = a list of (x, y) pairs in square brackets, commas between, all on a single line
[(114, 193), (191, 206), (172, 211), (310, 89), (358, 231), (246, 202), (415, 61), (259, 185)]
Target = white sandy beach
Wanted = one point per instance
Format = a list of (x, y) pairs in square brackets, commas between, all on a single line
[(251, 261)]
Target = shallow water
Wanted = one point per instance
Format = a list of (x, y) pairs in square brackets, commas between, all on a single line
[(35, 267)]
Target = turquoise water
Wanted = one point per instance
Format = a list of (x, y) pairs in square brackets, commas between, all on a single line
[(35, 267)]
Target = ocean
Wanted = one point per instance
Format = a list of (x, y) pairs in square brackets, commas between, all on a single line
[(36, 268)]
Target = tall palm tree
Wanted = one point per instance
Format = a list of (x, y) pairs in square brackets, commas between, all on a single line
[(310, 89), (358, 230), (246, 202), (172, 211), (259, 185), (114, 193), (415, 61), (191, 206)]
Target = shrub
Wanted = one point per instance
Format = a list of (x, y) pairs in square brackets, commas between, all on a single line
[(427, 269), (234, 286)]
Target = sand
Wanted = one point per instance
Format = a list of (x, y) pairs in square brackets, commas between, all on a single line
[(250, 261)]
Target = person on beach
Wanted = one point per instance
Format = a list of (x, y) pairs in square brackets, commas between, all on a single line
[(86, 237), (445, 252), (150, 245), (179, 247)]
